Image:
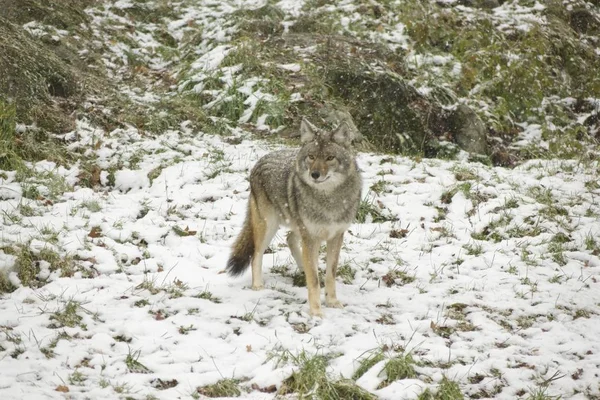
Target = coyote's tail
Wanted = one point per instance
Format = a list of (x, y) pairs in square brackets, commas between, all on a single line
[(243, 248)]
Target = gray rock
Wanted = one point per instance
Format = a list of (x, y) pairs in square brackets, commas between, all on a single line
[(484, 4), (584, 21), (337, 117), (468, 130)]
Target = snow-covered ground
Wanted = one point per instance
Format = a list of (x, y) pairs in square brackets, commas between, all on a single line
[(510, 310), (486, 276)]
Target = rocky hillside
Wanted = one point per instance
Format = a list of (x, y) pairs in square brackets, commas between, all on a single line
[(503, 80)]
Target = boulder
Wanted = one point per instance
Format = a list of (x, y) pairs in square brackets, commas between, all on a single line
[(468, 130)]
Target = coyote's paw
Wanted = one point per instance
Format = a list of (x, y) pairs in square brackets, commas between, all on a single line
[(335, 303), (258, 287), (316, 313)]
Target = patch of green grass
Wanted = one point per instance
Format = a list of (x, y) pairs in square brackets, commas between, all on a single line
[(176, 289), (6, 286), (206, 295), (447, 390), (155, 173), (464, 174), (397, 277), (222, 388), (263, 21), (27, 265), (184, 330), (591, 243), (77, 378), (299, 278), (310, 380), (347, 273), (582, 313), (379, 186), (135, 366), (474, 249), (141, 303), (368, 209), (442, 212), (68, 316), (92, 205), (542, 195), (48, 351), (557, 252), (9, 159), (399, 367), (366, 363), (149, 285), (540, 391), (249, 316)]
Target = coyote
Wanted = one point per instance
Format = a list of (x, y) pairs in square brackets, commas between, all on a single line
[(314, 192)]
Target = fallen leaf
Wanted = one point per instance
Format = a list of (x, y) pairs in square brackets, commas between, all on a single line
[(268, 389), (398, 233), (95, 232)]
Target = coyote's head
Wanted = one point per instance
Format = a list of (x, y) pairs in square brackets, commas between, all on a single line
[(325, 160)]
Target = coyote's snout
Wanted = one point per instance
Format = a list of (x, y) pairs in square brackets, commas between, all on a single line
[(315, 192)]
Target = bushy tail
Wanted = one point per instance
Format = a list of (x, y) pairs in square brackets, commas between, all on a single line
[(243, 249)]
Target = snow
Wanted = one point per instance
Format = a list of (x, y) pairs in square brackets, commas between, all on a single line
[(211, 60), (134, 251), (149, 260)]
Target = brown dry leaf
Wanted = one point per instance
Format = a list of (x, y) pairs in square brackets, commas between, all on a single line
[(249, 348), (268, 389), (190, 233), (95, 232), (62, 388), (398, 233)]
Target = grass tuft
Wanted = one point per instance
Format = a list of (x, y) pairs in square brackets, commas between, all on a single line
[(368, 362), (223, 388), (311, 380), (133, 365), (397, 368)]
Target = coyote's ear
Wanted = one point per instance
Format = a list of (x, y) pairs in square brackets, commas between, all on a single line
[(307, 131), (343, 135)]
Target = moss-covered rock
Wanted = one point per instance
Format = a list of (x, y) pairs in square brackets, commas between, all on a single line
[(468, 130), (390, 113)]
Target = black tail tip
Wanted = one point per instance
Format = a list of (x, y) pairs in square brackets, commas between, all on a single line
[(237, 265)]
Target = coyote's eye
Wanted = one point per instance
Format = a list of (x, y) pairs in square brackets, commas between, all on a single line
[(311, 157), (330, 158)]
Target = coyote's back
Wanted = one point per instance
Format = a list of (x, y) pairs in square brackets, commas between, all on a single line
[(315, 192)]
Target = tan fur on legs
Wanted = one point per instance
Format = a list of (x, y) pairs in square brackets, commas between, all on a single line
[(310, 256), (334, 246), (264, 227), (259, 228), (293, 241)]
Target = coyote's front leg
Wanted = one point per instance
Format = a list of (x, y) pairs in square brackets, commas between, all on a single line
[(334, 246), (310, 258)]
